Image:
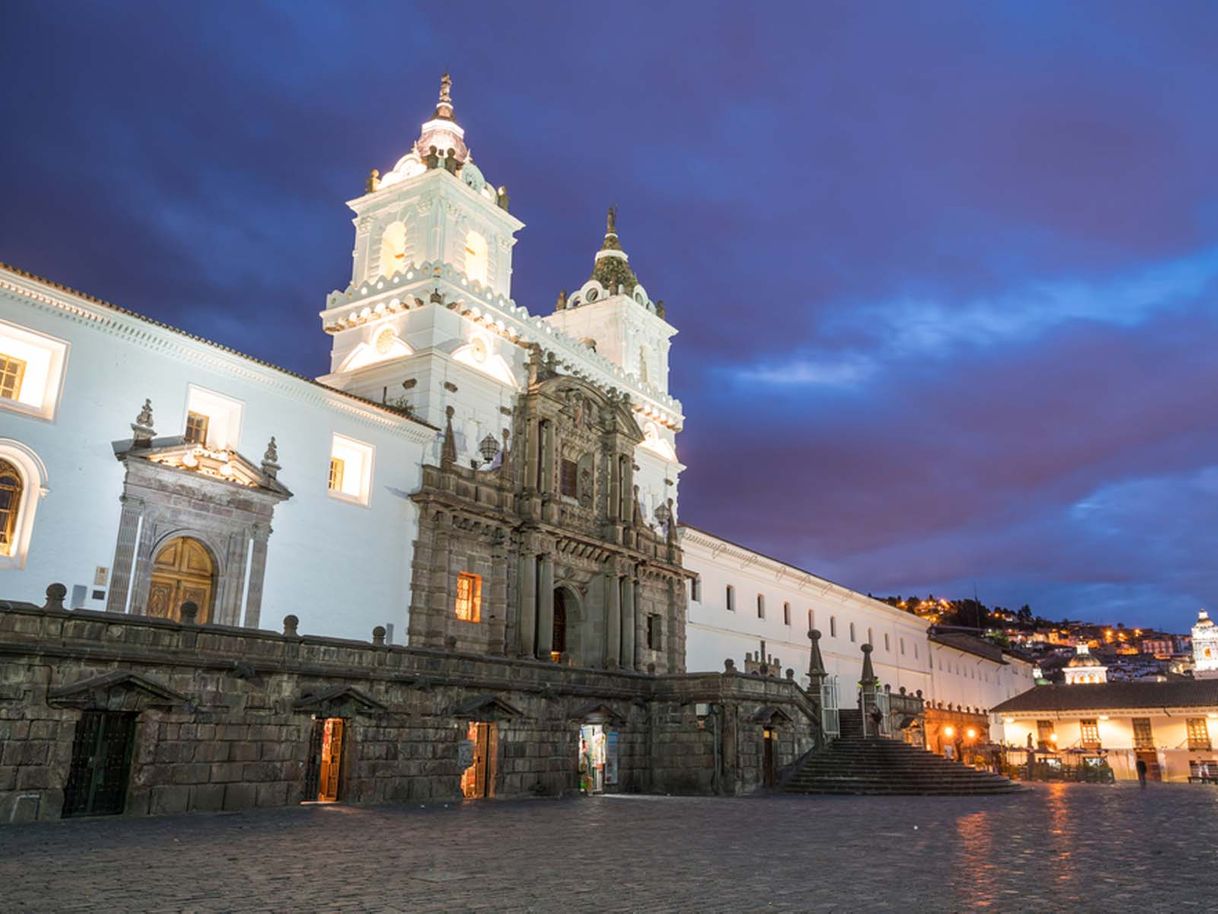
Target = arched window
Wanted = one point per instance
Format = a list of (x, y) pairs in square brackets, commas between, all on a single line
[(644, 374), (12, 488), (393, 249), (23, 480), (475, 257)]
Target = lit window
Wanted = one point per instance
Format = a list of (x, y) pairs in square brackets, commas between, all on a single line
[(31, 371), (351, 470), (12, 487), (731, 598), (219, 416), (196, 428), (1198, 733), (1143, 735), (23, 482), (469, 597), (475, 257), (1089, 729), (786, 613), (12, 370)]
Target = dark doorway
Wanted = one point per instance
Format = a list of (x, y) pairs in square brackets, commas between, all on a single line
[(323, 776), (101, 764), (767, 757), (558, 646)]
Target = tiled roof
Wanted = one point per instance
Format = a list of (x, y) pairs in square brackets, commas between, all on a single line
[(969, 644), (1184, 693)]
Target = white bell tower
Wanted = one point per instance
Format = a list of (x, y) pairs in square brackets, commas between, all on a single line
[(433, 242), (1205, 647)]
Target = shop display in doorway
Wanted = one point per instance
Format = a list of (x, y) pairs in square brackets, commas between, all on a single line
[(597, 759)]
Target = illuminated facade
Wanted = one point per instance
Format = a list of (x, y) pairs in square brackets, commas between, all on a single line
[(1205, 647)]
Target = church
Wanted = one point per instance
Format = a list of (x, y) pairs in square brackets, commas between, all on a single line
[(469, 527)]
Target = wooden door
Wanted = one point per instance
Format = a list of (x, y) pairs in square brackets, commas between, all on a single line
[(767, 758), (331, 759), (183, 571), (478, 780), (101, 764)]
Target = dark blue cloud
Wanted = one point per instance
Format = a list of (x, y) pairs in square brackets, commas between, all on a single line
[(944, 273)]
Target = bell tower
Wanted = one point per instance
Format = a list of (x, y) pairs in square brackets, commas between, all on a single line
[(433, 240), (612, 314)]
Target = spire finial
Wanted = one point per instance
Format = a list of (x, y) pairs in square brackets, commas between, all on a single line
[(444, 107), (611, 221)]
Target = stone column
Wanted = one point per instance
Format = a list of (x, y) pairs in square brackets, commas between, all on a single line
[(257, 572), (640, 623), (613, 620), (545, 608), (527, 604), (615, 487), (626, 511), (532, 472), (628, 623), (124, 554), (547, 457)]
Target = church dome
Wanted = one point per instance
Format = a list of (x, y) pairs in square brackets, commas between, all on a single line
[(612, 268)]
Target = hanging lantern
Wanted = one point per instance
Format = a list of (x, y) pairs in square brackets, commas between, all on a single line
[(489, 447)]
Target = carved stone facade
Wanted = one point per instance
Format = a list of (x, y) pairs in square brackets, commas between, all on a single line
[(176, 493), (552, 529)]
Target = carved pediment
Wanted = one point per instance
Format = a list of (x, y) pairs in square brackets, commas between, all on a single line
[(117, 691), (772, 716), (220, 465), (340, 701), (485, 708), (585, 407)]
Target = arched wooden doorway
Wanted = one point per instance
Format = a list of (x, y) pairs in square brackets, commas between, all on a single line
[(182, 571)]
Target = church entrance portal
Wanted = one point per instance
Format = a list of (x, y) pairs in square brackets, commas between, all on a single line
[(182, 571), (478, 754), (597, 758), (323, 777), (101, 764)]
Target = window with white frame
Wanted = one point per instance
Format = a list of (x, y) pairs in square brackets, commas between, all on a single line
[(212, 419), (23, 481), (31, 371), (350, 475)]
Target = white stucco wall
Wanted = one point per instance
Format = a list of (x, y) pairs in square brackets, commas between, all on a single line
[(342, 568)]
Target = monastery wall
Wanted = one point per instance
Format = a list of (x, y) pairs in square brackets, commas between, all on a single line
[(223, 716)]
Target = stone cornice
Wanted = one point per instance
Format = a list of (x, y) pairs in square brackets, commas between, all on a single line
[(156, 336)]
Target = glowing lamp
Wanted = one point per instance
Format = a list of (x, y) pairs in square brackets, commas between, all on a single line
[(971, 733), (949, 731)]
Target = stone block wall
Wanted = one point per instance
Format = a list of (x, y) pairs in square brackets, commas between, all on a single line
[(224, 716)]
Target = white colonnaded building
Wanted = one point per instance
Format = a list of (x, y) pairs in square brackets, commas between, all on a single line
[(144, 467)]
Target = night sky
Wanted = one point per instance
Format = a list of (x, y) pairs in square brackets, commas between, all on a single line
[(945, 275)]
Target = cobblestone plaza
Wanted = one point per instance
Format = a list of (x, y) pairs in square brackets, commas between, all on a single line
[(1056, 848)]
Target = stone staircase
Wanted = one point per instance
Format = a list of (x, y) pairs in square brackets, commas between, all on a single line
[(853, 764)]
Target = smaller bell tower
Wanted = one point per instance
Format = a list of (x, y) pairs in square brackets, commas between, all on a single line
[(1205, 647), (612, 314)]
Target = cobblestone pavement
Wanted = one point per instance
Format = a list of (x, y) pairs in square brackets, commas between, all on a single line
[(1061, 848)]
